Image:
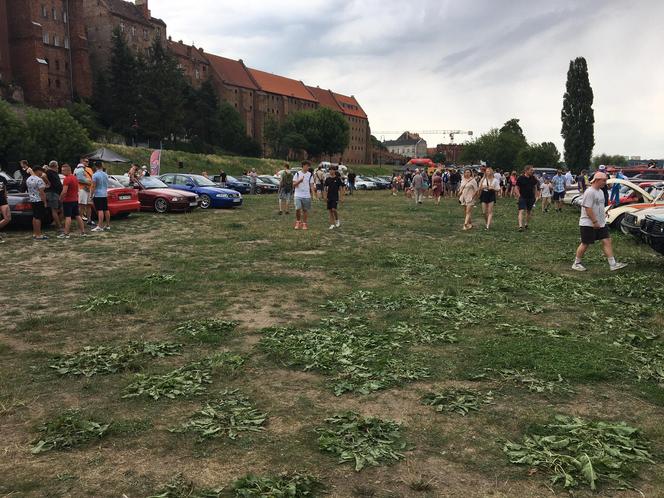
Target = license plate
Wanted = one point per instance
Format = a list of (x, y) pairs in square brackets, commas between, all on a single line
[(194, 203), (237, 200), (124, 197)]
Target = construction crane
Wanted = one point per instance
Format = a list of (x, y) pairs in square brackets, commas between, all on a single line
[(451, 133)]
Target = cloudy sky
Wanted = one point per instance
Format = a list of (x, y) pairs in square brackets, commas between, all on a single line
[(442, 64)]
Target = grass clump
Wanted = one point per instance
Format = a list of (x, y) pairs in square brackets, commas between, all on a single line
[(207, 330), (526, 379), (577, 452), (189, 380), (461, 401), (361, 440), (112, 359), (69, 430), (288, 485), (359, 359), (229, 415), (179, 487), (103, 302), (160, 278)]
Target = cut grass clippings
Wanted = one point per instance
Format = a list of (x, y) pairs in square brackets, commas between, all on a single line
[(69, 430), (361, 440), (105, 302), (576, 452), (227, 416), (288, 485), (461, 401), (530, 381), (179, 487), (112, 359), (206, 330)]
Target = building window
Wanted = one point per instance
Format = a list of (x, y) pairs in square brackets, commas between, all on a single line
[(44, 13), (145, 34), (56, 40), (57, 65), (197, 74), (66, 42), (122, 27), (133, 31), (55, 14), (46, 40), (64, 16), (158, 33)]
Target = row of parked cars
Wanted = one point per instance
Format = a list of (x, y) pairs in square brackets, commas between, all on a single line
[(639, 213)]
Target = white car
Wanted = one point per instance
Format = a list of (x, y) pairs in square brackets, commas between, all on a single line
[(633, 222), (615, 214), (362, 183)]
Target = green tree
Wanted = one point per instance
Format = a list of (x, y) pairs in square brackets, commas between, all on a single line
[(544, 155), (438, 158), (55, 135), (609, 160), (86, 117), (499, 148), (578, 117), (331, 134), (512, 126), (122, 93), (202, 120), (12, 135), (233, 134), (274, 138)]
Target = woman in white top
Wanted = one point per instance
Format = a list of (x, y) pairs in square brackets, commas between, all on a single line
[(488, 191), (467, 193), (547, 193)]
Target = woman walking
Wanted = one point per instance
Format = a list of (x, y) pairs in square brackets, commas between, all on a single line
[(467, 193), (512, 184), (489, 187), (437, 184)]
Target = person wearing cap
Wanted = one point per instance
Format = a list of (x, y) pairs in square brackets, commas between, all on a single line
[(37, 196), (592, 224)]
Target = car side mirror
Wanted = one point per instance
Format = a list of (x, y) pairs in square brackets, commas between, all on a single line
[(189, 184)]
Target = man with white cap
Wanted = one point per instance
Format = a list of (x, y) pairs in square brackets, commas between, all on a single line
[(592, 224)]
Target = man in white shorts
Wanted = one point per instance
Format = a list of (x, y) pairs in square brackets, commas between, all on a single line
[(303, 188)]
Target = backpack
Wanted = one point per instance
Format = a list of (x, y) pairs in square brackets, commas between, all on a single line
[(81, 176), (287, 180)]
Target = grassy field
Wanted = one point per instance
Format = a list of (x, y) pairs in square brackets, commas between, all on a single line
[(225, 343), (233, 165)]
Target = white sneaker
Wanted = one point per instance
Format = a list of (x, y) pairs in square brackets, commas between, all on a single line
[(97, 229), (331, 227), (63, 236), (617, 266), (338, 224), (578, 267), (107, 229)]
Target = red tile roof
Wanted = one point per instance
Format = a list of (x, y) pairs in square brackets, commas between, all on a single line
[(231, 71), (325, 98), (349, 105), (280, 85), (186, 51)]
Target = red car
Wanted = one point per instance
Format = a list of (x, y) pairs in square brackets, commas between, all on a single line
[(122, 200), (154, 195)]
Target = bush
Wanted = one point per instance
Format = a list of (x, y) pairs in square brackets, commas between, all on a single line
[(55, 134), (12, 135)]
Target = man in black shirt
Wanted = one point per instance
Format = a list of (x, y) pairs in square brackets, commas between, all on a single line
[(4, 206), (53, 191), (333, 193), (351, 182), (527, 187)]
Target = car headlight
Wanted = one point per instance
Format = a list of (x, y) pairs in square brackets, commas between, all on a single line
[(222, 196), (175, 199)]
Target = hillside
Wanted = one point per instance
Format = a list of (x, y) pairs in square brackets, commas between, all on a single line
[(197, 163)]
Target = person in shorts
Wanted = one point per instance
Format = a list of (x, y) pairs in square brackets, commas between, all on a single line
[(489, 187), (319, 178), (547, 193), (303, 188), (558, 182), (99, 191), (592, 224), (53, 191), (333, 194), (285, 188), (69, 198), (37, 196), (527, 187), (5, 212), (84, 175)]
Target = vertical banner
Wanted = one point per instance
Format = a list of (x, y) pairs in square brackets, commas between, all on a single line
[(155, 163)]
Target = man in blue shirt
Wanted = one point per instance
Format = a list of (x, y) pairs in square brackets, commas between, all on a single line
[(558, 183), (100, 199)]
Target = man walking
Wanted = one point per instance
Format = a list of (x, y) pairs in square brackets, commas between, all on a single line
[(285, 188), (351, 182), (418, 186), (37, 196), (592, 224), (69, 198), (100, 198), (319, 178), (333, 194), (53, 191), (526, 187), (558, 182), (4, 206), (252, 181), (303, 185)]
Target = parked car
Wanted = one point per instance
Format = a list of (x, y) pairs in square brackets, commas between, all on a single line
[(545, 172), (270, 179), (653, 232), (155, 195), (13, 184), (363, 183), (615, 214), (233, 184), (382, 184), (262, 187), (21, 210), (209, 193), (632, 223), (122, 201)]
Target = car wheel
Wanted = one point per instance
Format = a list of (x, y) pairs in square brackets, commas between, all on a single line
[(624, 229), (160, 205), (206, 202), (617, 223)]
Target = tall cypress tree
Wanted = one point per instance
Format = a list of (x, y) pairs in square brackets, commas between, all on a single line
[(578, 116), (123, 96)]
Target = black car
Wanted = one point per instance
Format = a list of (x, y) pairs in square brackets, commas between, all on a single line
[(233, 184), (653, 232), (13, 185), (262, 186)]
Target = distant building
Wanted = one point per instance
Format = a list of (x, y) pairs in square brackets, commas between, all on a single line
[(191, 60), (452, 152), (44, 50), (408, 145)]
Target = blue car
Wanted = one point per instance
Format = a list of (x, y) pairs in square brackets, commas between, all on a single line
[(234, 183), (211, 195)]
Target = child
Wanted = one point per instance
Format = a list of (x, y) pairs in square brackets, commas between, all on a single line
[(333, 193), (547, 193)]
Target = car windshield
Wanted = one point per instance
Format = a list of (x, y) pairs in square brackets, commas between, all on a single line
[(152, 182), (122, 180), (113, 183), (230, 178), (201, 181)]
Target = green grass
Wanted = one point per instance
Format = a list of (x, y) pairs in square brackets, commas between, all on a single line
[(397, 303)]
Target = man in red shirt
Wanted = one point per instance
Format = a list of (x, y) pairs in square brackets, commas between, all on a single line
[(69, 198)]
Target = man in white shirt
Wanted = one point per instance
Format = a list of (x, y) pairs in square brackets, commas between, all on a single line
[(592, 224), (303, 188)]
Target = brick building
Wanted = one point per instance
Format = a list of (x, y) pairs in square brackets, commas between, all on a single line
[(452, 152), (5, 66), (47, 50), (191, 60), (408, 145), (134, 20)]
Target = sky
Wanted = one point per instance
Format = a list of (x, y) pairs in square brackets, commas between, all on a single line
[(441, 64)]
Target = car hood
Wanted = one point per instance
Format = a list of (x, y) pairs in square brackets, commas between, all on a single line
[(170, 191), (216, 190), (633, 186), (655, 211)]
